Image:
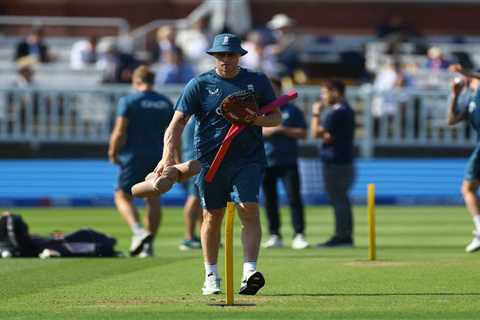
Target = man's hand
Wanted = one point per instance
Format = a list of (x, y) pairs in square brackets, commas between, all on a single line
[(457, 85), (271, 131), (456, 67), (162, 164), (318, 107), (113, 157)]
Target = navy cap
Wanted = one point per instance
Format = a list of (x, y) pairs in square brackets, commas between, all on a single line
[(227, 42)]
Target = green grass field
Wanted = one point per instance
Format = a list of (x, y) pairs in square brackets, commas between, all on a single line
[(422, 272)]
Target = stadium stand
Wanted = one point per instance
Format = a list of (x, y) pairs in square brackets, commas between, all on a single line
[(72, 110)]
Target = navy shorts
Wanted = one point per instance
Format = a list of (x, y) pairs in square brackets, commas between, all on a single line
[(134, 172), (472, 171), (231, 183)]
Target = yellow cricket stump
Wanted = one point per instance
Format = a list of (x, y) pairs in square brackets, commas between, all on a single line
[(372, 250), (230, 215)]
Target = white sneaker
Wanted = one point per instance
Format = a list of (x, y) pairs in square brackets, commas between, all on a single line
[(474, 245), (138, 240), (211, 284), (299, 242), (273, 242)]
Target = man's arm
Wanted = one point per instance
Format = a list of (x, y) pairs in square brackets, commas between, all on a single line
[(117, 139), (272, 119), (317, 130), (295, 133), (171, 141), (455, 115), (467, 73)]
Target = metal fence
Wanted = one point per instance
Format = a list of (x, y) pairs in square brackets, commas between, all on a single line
[(410, 118)]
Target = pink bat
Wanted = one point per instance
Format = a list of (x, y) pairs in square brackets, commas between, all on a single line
[(236, 129)]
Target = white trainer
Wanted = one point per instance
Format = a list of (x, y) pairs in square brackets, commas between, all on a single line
[(474, 245), (138, 240), (299, 242), (211, 284), (273, 242)]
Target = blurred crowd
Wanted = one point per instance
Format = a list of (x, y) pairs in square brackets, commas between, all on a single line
[(406, 59), (175, 55), (274, 48)]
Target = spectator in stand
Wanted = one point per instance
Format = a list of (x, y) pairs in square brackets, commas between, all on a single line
[(84, 54), (194, 42), (436, 60), (391, 77), (25, 73), (34, 46), (116, 66), (174, 70), (225, 16), (25, 101), (165, 42), (255, 46), (281, 58)]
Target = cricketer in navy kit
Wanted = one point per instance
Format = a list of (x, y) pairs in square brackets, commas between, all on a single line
[(135, 145), (464, 105), (240, 174), (192, 210)]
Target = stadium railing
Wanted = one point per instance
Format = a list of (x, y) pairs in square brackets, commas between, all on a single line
[(403, 119)]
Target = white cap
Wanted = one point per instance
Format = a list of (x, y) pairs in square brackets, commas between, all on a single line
[(280, 20)]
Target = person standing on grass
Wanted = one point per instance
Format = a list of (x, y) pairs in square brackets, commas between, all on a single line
[(464, 105), (333, 121), (282, 153), (240, 174), (135, 145), (192, 210)]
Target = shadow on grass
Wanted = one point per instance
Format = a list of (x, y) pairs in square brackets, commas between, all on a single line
[(372, 294), (224, 305)]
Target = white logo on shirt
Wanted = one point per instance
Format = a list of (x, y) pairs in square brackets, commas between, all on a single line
[(213, 92), (225, 40), (154, 104), (250, 87), (472, 106), (285, 116)]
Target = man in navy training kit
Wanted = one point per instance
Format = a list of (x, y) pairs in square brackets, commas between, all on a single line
[(135, 145), (282, 153), (464, 106), (192, 210), (333, 121), (240, 175)]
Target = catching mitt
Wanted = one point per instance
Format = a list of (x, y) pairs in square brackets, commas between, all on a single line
[(240, 107)]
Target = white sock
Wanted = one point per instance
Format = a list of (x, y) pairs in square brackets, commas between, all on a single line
[(210, 268), (136, 228), (476, 222), (249, 267)]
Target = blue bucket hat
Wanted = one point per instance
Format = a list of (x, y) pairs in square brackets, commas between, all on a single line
[(227, 42)]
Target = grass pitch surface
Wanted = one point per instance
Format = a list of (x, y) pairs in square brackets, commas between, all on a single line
[(422, 272)]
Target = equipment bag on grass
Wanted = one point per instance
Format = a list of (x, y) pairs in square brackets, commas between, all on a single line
[(14, 237), (15, 241)]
